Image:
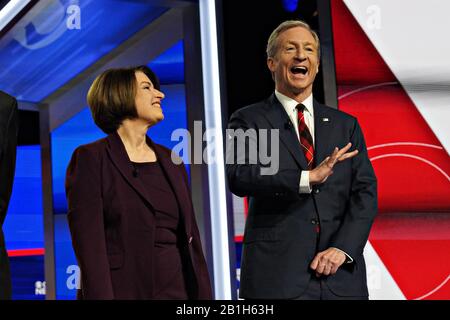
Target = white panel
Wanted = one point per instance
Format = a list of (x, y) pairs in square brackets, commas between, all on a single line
[(9, 11), (216, 166), (239, 215), (411, 36), (379, 281)]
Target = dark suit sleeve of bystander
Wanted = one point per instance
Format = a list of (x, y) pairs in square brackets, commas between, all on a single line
[(8, 154)]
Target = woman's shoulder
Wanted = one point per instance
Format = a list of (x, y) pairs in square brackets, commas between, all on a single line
[(84, 166), (92, 149)]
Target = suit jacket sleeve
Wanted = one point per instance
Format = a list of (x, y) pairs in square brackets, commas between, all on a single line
[(203, 290), (10, 125), (244, 175), (86, 223), (362, 207)]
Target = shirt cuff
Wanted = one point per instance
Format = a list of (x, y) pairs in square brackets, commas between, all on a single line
[(304, 182), (349, 259)]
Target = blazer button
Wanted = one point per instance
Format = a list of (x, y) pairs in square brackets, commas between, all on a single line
[(314, 221), (190, 240)]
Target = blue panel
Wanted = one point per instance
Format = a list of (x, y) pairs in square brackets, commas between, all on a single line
[(169, 66), (39, 55), (23, 225), (27, 274), (238, 247), (65, 139), (66, 268), (290, 5)]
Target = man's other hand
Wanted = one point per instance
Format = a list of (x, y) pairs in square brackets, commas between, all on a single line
[(327, 262)]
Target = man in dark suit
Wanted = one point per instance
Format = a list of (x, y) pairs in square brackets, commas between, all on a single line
[(308, 222), (8, 142)]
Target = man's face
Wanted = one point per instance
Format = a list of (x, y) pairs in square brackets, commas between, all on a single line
[(295, 63)]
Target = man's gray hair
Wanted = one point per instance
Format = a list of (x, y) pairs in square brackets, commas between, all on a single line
[(272, 43)]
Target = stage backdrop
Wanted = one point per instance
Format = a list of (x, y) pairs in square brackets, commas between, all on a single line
[(392, 73)]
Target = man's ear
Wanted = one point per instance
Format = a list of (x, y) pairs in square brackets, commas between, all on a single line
[(271, 64)]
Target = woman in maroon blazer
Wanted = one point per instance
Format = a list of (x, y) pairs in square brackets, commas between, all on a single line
[(130, 213)]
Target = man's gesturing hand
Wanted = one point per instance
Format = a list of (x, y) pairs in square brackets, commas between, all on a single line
[(327, 262), (325, 169)]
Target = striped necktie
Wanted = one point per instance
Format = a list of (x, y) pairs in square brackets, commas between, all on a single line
[(306, 140)]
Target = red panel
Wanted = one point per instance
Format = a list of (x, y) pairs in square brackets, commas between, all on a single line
[(356, 59), (245, 207), (411, 177), (386, 114), (26, 252), (419, 267), (411, 165)]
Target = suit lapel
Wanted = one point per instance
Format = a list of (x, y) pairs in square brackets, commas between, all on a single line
[(176, 180), (121, 160), (279, 119), (322, 132), (119, 157)]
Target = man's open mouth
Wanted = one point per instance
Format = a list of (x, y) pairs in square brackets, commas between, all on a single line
[(299, 70)]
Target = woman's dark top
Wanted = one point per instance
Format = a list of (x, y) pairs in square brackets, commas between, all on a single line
[(169, 281)]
